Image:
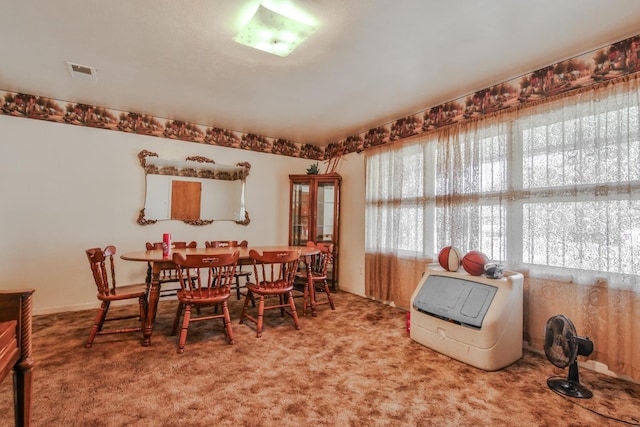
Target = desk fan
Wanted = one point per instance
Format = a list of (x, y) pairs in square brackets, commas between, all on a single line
[(562, 347)]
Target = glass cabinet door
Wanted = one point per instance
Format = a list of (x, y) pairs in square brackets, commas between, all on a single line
[(325, 204), (300, 214)]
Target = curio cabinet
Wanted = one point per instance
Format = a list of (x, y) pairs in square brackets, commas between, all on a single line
[(314, 211)]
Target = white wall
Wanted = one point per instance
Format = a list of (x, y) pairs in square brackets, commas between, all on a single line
[(66, 188), (352, 224)]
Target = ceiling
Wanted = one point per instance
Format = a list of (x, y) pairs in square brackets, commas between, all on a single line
[(368, 62)]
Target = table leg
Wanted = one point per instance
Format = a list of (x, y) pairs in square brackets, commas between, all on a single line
[(152, 306), (312, 289)]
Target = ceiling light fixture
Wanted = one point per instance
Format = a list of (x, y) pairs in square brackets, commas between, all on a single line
[(273, 33)]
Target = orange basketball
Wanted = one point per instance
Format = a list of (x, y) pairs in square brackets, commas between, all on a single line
[(450, 258), (473, 263)]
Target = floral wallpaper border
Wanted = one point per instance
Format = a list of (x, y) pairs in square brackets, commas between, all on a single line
[(43, 108), (599, 65), (614, 61)]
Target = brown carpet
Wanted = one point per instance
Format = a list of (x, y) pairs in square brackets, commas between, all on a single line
[(355, 366)]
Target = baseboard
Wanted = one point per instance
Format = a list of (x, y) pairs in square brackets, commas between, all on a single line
[(64, 308), (592, 365)]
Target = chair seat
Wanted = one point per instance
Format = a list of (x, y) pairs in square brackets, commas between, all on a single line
[(125, 292), (201, 299), (268, 291)]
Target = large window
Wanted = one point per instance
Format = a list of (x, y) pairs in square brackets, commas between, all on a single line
[(580, 176), (396, 190), (472, 183), (556, 187)]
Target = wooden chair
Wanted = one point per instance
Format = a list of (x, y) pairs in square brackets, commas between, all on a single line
[(104, 275), (168, 275), (15, 350), (239, 271), (274, 275), (318, 265), (212, 287)]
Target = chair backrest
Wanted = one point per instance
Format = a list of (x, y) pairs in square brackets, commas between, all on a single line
[(174, 245), (275, 269), (104, 274), (320, 262), (226, 244), (206, 276)]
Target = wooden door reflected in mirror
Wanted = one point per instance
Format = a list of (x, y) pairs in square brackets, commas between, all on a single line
[(185, 200)]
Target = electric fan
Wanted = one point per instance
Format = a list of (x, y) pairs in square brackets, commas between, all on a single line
[(562, 347)]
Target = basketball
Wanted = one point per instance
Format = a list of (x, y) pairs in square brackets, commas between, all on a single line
[(473, 263), (450, 258)]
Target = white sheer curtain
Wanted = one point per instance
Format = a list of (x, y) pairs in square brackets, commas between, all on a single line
[(551, 190), (581, 186), (472, 188), (396, 231), (579, 218)]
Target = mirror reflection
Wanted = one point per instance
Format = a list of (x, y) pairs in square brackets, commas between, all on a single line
[(195, 190)]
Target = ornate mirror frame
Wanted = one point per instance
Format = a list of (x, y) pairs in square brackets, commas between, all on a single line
[(198, 167)]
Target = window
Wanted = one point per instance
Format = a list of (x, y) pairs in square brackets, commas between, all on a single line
[(580, 176), (555, 186), (471, 187), (396, 194)]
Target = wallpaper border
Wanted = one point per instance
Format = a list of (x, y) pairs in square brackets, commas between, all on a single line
[(600, 65), (592, 68)]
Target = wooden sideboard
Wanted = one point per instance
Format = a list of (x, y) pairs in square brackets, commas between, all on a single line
[(15, 349)]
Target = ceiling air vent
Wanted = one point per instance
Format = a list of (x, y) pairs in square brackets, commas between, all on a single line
[(82, 72)]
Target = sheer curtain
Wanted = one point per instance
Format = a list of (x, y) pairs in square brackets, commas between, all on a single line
[(580, 185), (396, 197), (472, 188), (552, 191), (579, 218)]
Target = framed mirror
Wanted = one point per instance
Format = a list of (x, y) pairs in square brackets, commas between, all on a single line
[(195, 190)]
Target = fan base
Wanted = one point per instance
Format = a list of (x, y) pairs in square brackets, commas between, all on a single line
[(569, 388)]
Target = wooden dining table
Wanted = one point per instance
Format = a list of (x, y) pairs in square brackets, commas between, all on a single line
[(159, 262)]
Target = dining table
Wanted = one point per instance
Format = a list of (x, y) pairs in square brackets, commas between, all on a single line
[(159, 261)]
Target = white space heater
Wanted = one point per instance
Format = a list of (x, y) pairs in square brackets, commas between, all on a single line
[(474, 319)]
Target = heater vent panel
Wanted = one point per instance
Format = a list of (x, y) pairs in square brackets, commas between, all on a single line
[(82, 72)]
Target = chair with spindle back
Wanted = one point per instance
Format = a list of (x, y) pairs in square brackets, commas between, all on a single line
[(168, 275), (205, 280), (274, 273), (318, 265), (239, 271), (104, 275)]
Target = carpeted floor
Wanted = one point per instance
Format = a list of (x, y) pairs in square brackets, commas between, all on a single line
[(355, 366)]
